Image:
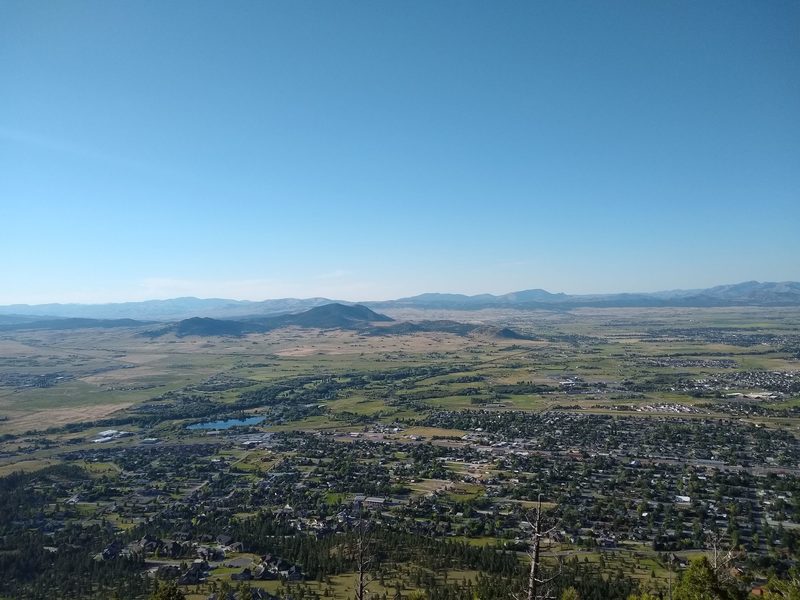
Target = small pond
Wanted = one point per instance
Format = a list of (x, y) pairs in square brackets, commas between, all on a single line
[(226, 424)]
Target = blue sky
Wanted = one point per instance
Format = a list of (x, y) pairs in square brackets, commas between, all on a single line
[(369, 150)]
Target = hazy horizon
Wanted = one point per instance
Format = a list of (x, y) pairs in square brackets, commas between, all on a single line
[(381, 150), (378, 299)]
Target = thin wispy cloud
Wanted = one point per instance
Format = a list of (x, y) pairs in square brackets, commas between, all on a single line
[(59, 146)]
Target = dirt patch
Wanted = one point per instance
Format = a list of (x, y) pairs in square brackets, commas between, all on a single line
[(56, 417)]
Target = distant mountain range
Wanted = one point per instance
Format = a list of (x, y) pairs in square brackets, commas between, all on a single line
[(167, 310), (14, 323), (328, 316), (751, 293)]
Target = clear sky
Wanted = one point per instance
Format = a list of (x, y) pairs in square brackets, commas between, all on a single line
[(375, 149)]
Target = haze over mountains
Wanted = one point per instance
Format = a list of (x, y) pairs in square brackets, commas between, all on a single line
[(328, 316), (166, 310), (751, 293), (354, 317)]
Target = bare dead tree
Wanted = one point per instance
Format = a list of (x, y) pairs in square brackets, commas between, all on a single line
[(363, 557), (537, 587), (670, 566), (722, 555)]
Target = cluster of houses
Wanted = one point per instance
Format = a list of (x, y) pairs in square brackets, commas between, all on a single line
[(752, 385), (171, 556), (607, 474), (270, 567)]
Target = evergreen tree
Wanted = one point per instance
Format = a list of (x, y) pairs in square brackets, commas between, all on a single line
[(570, 594), (700, 582), (168, 591), (783, 589)]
